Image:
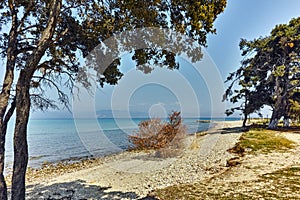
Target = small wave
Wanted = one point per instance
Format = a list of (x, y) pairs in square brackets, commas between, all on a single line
[(38, 157)]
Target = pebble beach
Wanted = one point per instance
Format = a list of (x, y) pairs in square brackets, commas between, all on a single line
[(135, 175), (132, 175)]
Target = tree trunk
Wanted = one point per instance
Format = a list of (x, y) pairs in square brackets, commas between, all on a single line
[(3, 130), (286, 121), (245, 120), (5, 94), (274, 119), (3, 187), (273, 123), (280, 104), (20, 137), (23, 103)]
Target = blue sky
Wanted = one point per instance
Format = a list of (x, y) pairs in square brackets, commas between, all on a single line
[(246, 19), (241, 19)]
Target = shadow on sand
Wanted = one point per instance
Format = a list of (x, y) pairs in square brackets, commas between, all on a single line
[(229, 130), (234, 130), (77, 190)]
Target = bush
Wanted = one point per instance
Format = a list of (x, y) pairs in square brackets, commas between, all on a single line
[(156, 134)]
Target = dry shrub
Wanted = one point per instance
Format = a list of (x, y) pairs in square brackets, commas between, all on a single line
[(147, 135), (166, 137)]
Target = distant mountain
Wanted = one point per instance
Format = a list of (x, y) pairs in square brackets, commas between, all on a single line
[(61, 114), (120, 114)]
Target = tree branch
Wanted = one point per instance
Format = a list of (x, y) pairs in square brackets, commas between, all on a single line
[(28, 27), (61, 35), (10, 111), (61, 95)]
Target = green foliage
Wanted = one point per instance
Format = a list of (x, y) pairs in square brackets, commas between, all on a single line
[(279, 71), (294, 110)]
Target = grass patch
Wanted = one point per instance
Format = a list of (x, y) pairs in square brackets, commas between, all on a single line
[(201, 133), (282, 184), (289, 175), (262, 141)]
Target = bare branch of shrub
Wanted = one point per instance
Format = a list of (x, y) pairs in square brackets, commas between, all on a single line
[(165, 137)]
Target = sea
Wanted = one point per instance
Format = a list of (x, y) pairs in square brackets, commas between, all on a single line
[(55, 140)]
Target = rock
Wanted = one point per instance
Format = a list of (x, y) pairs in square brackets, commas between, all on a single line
[(233, 162)]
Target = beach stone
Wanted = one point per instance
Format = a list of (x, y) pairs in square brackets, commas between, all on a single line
[(233, 162)]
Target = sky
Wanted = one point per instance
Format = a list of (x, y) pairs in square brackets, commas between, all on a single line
[(247, 19), (200, 93)]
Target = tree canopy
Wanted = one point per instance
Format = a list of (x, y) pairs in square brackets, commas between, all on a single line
[(270, 69), (41, 42)]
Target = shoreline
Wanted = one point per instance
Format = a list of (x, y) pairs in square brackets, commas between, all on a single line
[(132, 175), (36, 159), (74, 159), (78, 163)]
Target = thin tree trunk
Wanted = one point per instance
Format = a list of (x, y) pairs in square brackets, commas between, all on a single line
[(286, 121), (20, 137), (245, 120), (3, 187), (273, 123), (5, 94), (3, 130)]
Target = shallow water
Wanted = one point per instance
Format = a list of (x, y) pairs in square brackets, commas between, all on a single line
[(53, 140)]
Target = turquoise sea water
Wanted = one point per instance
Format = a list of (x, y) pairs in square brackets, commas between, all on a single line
[(53, 140)]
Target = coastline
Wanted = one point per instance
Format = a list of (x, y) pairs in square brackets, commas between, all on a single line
[(132, 175), (49, 169), (53, 140)]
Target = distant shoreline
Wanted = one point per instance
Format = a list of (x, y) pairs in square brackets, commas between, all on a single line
[(201, 118)]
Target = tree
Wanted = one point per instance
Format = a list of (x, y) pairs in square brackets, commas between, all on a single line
[(274, 64), (252, 95), (45, 38)]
